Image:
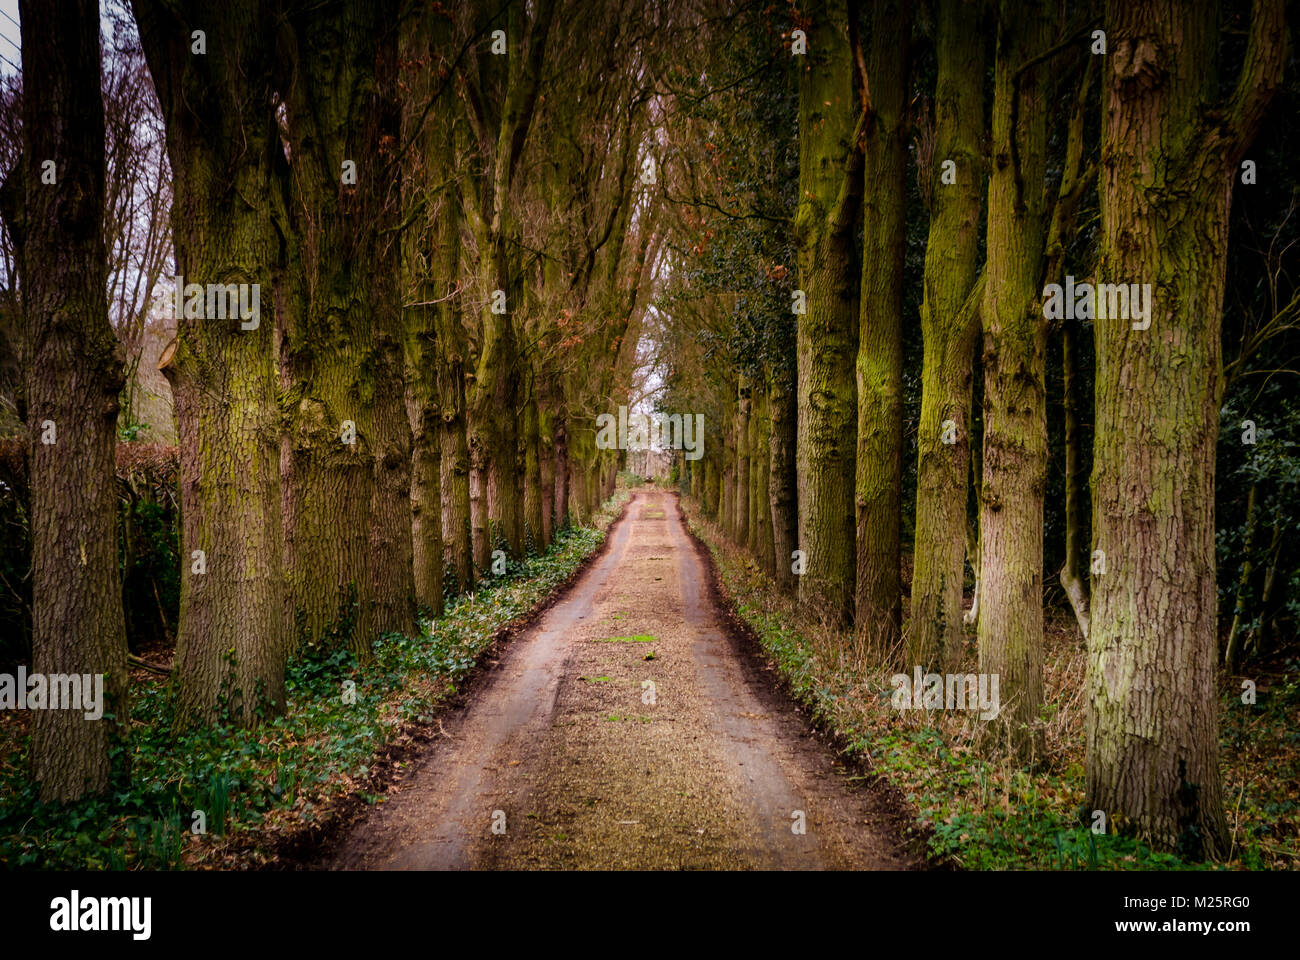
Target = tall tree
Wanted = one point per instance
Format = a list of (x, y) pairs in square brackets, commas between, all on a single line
[(392, 579), (1015, 412), (956, 184), (1075, 178), (1172, 155), (421, 172), (211, 64), (336, 198), (879, 368), (830, 186), (500, 89), (54, 206)]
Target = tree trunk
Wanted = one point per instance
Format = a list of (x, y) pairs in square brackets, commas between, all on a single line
[(532, 476), (1015, 412), (452, 350), (334, 346), (580, 437), (760, 510), (728, 490), (782, 494), (1076, 550), (561, 473), (74, 377), (392, 579), (546, 466), (1170, 165), (1063, 225), (949, 333), (233, 633), (1232, 654), (829, 186), (478, 506), (740, 501), (421, 244), (879, 368)]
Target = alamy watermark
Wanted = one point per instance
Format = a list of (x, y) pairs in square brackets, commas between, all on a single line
[(215, 301), (953, 691), (638, 431), (75, 913), (1104, 301), (55, 691)]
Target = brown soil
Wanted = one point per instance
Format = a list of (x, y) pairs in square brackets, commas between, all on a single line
[(566, 757)]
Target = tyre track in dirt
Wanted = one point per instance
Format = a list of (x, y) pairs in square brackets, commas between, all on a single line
[(624, 730)]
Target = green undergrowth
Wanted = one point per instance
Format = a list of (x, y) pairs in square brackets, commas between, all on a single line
[(251, 783), (984, 813)]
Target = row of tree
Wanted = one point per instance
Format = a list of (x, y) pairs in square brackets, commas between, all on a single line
[(1047, 139), (452, 262)]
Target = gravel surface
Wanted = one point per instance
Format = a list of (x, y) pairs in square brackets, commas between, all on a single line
[(627, 730)]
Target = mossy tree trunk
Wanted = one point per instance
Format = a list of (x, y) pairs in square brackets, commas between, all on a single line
[(783, 496), (532, 474), (233, 632), (1169, 168), (949, 333), (1015, 412), (740, 435), (830, 186), (760, 499), (334, 345), (500, 93), (428, 256), (392, 581), (74, 378), (879, 366), (546, 457)]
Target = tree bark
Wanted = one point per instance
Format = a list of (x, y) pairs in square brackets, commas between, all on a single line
[(532, 474), (949, 333), (74, 377), (336, 194), (233, 633), (740, 432), (391, 562), (782, 493), (561, 472), (546, 462), (1168, 173), (829, 195), (760, 508), (879, 367), (1015, 412)]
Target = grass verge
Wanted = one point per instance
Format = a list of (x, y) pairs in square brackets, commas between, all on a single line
[(254, 787), (975, 807)]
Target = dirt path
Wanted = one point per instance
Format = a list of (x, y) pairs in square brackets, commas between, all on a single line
[(625, 730)]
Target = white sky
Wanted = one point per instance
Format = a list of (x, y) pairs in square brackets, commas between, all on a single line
[(9, 37)]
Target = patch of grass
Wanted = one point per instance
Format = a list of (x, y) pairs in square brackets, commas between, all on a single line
[(983, 810), (251, 783)]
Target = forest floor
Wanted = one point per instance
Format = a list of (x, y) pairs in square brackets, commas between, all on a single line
[(631, 727), (979, 808)]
